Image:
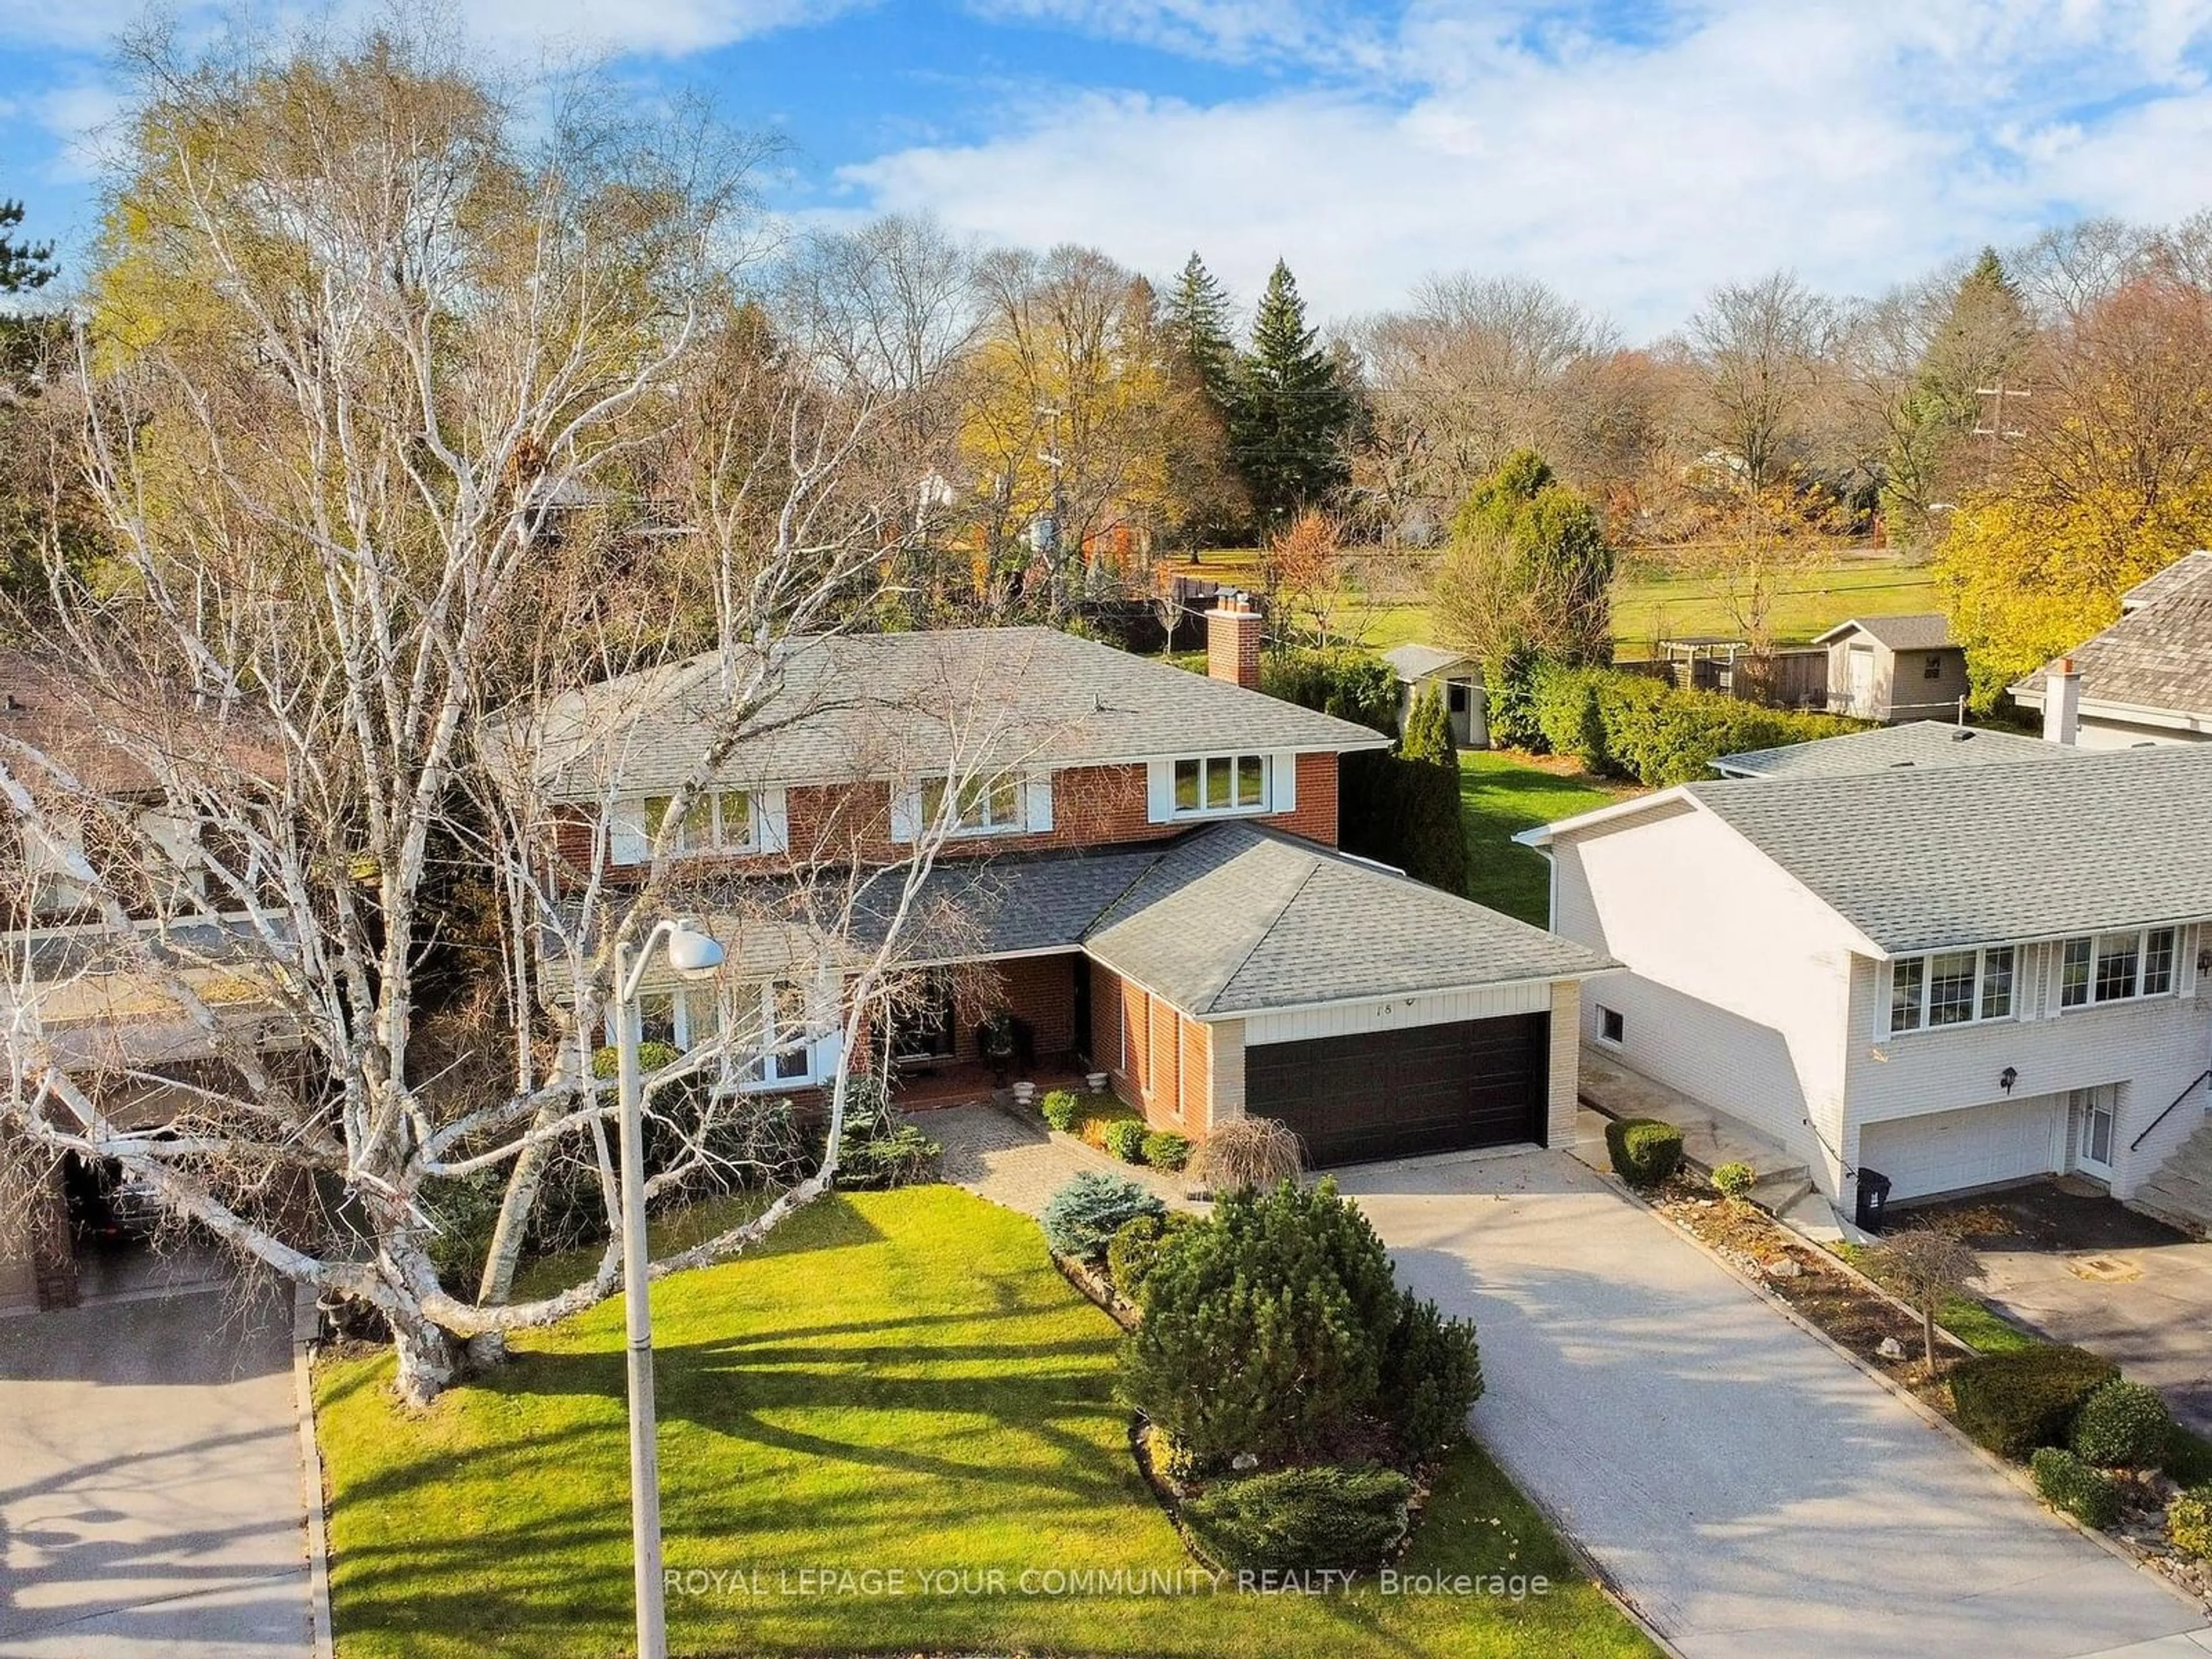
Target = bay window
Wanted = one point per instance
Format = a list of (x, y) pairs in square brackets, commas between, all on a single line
[(2117, 967), (1951, 987)]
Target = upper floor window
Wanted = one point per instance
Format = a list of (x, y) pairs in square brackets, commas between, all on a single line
[(716, 823), (982, 806), (1951, 987), (2117, 967), (1220, 783)]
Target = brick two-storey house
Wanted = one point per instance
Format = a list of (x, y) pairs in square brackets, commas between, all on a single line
[(1142, 872)]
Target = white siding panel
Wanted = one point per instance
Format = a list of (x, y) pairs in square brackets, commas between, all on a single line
[(1159, 791), (1283, 779), (1398, 1014), (1946, 1151)]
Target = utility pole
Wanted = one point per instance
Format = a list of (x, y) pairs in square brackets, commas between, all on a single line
[(1053, 461), (1996, 431)]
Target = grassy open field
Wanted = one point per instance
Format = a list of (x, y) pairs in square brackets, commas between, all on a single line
[(1649, 604), (899, 1387)]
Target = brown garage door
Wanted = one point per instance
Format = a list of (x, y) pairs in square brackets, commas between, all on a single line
[(1394, 1094)]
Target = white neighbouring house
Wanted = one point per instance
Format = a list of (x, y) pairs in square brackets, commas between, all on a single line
[(1955, 975)]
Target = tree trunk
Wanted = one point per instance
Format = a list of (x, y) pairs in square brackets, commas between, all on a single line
[(430, 1358), (1928, 1332)]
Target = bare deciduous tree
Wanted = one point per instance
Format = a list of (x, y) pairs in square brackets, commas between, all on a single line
[(406, 431)]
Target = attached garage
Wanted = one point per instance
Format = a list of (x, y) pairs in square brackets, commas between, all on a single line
[(1979, 1146), (1401, 1093)]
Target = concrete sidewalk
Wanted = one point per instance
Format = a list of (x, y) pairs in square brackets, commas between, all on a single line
[(1750, 1492), (150, 1494)]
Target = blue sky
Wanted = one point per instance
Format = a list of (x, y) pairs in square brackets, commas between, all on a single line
[(1631, 152)]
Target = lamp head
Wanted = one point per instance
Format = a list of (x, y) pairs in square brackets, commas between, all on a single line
[(692, 954)]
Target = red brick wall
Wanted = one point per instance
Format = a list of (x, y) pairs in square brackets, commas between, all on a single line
[(1092, 806), (1195, 1066), (1157, 1059)]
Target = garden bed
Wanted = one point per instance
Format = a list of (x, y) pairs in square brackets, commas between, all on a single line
[(1827, 1290)]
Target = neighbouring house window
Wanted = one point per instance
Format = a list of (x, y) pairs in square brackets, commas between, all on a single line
[(2117, 967), (1933, 669), (1220, 783), (1951, 987), (984, 806), (720, 823), (1611, 1025)]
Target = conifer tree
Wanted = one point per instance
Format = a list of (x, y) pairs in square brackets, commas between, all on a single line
[(23, 266), (1199, 316), (1292, 409)]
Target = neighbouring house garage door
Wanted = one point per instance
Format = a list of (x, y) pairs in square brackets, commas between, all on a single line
[(1394, 1094), (1945, 1151)]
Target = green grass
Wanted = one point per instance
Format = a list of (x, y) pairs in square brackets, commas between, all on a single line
[(1649, 606), (898, 1381), (1500, 794)]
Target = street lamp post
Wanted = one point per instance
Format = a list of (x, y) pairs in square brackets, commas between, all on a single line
[(693, 955)]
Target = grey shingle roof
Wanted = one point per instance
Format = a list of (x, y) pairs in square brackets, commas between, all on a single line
[(1921, 631), (877, 705), (1236, 920), (1916, 743), (2184, 574), (1417, 662), (2158, 656), (1221, 920), (1921, 858)]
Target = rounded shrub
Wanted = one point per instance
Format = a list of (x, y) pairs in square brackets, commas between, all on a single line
[(1276, 1329), (1163, 1148), (1081, 1218), (2014, 1402), (1321, 1517), (1250, 1152), (1733, 1180), (1059, 1109), (1136, 1248), (2082, 1491), (2123, 1425), (2189, 1522), (1644, 1150), (1124, 1138)]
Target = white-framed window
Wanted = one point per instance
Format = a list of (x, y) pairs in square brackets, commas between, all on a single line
[(1952, 988), (779, 1037), (982, 806), (2117, 967), (1612, 1025), (718, 823), (1214, 783)]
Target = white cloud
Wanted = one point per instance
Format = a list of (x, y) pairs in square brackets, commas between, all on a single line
[(1858, 143), (656, 27)]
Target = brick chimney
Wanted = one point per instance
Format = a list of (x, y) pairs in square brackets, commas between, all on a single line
[(2062, 703), (1232, 641)]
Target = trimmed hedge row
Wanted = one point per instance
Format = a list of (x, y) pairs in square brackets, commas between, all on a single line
[(2067, 1483), (1631, 726)]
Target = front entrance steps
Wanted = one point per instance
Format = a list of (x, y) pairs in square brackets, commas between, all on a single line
[(2181, 1191), (1779, 1177)]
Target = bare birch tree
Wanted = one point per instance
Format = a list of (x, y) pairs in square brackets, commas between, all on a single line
[(405, 428)]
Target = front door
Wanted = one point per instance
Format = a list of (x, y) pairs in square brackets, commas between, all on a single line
[(2095, 1115)]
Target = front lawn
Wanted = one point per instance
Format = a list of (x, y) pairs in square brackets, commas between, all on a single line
[(1502, 794), (900, 1382)]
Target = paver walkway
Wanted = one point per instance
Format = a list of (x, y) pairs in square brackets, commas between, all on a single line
[(151, 1501), (1016, 1161), (1752, 1493)]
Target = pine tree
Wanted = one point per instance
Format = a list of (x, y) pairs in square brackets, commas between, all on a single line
[(23, 266), (1199, 314), (1428, 731), (1292, 409), (1979, 341)]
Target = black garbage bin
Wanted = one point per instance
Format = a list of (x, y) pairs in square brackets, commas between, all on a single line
[(1873, 1198)]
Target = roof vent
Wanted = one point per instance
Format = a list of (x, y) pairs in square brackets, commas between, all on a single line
[(1963, 734)]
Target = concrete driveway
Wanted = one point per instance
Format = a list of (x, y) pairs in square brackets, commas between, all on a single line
[(151, 1495), (1748, 1490), (2065, 1260)]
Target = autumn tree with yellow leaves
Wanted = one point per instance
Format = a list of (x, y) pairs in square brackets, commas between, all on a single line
[(2110, 480)]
